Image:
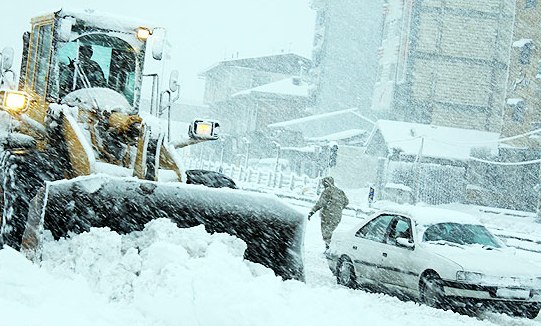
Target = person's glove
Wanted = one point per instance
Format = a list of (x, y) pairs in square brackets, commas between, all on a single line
[(310, 215)]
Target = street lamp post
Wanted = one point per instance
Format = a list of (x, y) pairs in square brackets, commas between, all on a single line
[(220, 169), (418, 170), (247, 156), (278, 153)]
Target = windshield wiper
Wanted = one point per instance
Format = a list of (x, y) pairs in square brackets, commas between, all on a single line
[(445, 242)]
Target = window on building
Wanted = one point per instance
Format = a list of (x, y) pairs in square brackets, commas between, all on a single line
[(518, 109), (392, 71), (530, 4), (526, 52)]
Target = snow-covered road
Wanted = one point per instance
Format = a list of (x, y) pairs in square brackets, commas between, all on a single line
[(169, 276)]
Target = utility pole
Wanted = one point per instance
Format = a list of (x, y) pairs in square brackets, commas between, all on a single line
[(538, 210)]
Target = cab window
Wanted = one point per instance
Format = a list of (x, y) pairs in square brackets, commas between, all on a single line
[(115, 58), (42, 58), (375, 230)]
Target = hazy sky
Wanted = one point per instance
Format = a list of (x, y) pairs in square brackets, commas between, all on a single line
[(202, 32)]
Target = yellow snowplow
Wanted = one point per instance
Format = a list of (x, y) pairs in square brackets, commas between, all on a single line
[(80, 153)]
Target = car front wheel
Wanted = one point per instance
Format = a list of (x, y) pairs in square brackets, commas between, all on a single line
[(431, 291), (345, 273)]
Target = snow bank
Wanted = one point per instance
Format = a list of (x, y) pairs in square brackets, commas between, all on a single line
[(169, 276)]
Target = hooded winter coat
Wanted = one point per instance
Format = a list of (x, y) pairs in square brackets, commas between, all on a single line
[(331, 203)]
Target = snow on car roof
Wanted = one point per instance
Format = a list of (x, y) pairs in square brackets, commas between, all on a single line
[(430, 215)]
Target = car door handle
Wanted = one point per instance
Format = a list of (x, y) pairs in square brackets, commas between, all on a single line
[(354, 247), (384, 254)]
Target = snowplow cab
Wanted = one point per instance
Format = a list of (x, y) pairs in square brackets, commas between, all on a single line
[(54, 54), (84, 152)]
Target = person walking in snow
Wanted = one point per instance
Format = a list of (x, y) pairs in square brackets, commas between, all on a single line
[(331, 203)]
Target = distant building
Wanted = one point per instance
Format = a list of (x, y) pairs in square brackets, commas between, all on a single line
[(346, 39), (229, 77), (255, 108), (445, 62), (246, 95), (523, 101), (408, 141), (345, 127), (430, 163)]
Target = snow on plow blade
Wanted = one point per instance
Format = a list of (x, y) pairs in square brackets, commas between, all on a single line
[(273, 232)]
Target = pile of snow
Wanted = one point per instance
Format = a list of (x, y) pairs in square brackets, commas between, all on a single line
[(169, 276)]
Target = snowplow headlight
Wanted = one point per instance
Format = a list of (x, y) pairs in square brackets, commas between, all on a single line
[(204, 130), (13, 101), (143, 33)]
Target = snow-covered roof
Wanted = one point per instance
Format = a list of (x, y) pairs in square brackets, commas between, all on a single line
[(345, 134), (292, 86), (522, 42), (514, 101), (437, 142), (304, 149), (314, 117), (285, 63)]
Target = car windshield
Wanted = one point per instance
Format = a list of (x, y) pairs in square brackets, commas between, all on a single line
[(104, 60), (462, 234)]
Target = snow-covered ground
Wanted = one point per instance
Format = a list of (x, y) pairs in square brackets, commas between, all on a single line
[(169, 276)]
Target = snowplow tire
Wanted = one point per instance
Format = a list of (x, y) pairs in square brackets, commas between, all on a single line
[(21, 177)]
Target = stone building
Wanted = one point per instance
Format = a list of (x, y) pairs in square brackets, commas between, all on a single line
[(523, 100), (445, 62)]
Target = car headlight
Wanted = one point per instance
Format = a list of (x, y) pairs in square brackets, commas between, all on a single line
[(13, 101), (469, 277)]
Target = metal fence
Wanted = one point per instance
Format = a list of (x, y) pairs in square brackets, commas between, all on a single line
[(300, 184), (430, 183)]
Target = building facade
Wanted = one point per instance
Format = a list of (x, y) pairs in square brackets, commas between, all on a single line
[(523, 100), (445, 62), (246, 95), (346, 39), (229, 77)]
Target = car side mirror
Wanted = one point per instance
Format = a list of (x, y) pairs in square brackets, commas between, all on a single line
[(158, 43), (173, 81), (405, 243)]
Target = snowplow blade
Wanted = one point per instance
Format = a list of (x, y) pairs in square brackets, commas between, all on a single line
[(273, 231)]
